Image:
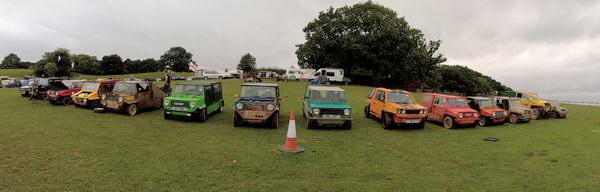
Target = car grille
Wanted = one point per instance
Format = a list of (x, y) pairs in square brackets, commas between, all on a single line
[(80, 100), (499, 114), (255, 107), (413, 112), (331, 111)]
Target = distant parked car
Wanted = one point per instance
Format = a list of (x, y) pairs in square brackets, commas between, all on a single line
[(326, 106), (194, 100), (395, 108), (450, 110), (91, 93), (517, 111), (178, 78), (212, 74), (489, 113), (61, 91), (132, 96)]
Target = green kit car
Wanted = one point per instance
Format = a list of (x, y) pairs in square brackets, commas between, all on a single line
[(326, 106), (194, 100)]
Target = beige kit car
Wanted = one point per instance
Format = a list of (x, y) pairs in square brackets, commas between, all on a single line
[(132, 96)]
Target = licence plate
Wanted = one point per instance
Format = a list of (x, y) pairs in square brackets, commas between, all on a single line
[(413, 121), (331, 116), (179, 108)]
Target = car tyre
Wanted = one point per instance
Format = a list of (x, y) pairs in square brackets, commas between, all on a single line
[(348, 124), (166, 116), (366, 111), (202, 115), (132, 109), (220, 77), (66, 101), (483, 121), (421, 125), (311, 124), (448, 122), (513, 118), (386, 121), (275, 120), (237, 120), (206, 78), (552, 115)]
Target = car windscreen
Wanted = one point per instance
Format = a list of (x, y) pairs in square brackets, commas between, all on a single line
[(258, 91), (457, 102), (401, 98), (485, 103), (125, 88), (189, 89), (325, 95), (90, 86)]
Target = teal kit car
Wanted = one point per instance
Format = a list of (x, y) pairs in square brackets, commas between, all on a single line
[(326, 106), (194, 100)]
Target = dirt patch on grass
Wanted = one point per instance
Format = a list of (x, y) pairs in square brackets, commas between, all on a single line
[(595, 178), (538, 153), (596, 131)]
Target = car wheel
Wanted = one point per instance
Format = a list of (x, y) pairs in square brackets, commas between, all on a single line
[(348, 124), (202, 115), (386, 121), (448, 122), (421, 125), (311, 124), (52, 102), (132, 109), (536, 114), (66, 101), (275, 120), (367, 113), (482, 121), (205, 77), (166, 116), (237, 120), (552, 115), (220, 77), (513, 118)]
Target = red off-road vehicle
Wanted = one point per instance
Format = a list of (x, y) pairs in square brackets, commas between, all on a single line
[(488, 111), (449, 110), (61, 91)]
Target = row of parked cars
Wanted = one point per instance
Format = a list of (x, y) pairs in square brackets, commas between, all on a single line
[(323, 105)]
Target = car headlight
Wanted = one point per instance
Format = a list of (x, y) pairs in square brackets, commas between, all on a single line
[(475, 115), (103, 97), (505, 113), (461, 115), (421, 111), (401, 111), (316, 111), (120, 99), (192, 104), (85, 99), (166, 102), (346, 112), (239, 106), (270, 107)]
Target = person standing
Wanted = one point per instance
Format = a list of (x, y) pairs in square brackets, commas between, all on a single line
[(167, 86)]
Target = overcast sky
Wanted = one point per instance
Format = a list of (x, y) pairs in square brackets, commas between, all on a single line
[(547, 46)]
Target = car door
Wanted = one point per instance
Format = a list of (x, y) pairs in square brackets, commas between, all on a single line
[(438, 108), (144, 95), (306, 102), (378, 103)]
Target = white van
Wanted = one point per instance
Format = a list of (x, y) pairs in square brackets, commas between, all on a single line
[(208, 74), (333, 75), (300, 74), (231, 73)]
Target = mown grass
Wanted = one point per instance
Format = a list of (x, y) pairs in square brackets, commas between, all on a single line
[(17, 73), (57, 148)]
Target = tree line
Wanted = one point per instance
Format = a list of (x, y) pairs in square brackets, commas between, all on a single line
[(375, 46), (61, 62)]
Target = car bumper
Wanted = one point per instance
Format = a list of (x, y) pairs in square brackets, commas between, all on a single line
[(331, 120), (466, 121), (180, 113)]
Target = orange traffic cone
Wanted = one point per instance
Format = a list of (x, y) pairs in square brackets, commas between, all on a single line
[(290, 142)]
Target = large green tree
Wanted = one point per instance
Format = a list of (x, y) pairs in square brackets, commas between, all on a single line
[(11, 61), (177, 59), (60, 57), (111, 65), (461, 79), (247, 63), (86, 64), (370, 39)]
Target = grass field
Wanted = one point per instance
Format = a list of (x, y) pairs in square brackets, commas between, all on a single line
[(63, 148), (17, 73)]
